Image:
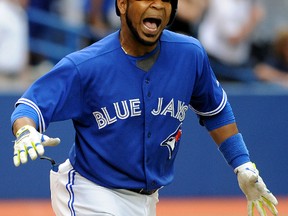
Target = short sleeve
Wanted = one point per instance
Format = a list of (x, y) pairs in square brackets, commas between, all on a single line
[(208, 97), (56, 96)]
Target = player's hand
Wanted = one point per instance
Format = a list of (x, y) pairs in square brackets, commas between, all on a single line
[(30, 142), (255, 190)]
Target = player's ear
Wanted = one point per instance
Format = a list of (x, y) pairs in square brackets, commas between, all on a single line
[(122, 6)]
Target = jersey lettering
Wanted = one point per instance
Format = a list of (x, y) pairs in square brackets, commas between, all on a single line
[(135, 107), (125, 109), (108, 118), (103, 118), (101, 121), (182, 108), (170, 109)]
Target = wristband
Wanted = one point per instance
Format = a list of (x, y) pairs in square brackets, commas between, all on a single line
[(235, 151)]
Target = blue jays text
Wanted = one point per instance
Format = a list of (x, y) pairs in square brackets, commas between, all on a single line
[(132, 108)]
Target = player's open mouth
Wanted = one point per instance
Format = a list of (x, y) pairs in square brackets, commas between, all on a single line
[(152, 24)]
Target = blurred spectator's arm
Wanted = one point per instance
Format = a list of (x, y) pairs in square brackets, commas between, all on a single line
[(270, 74), (96, 17), (191, 10), (256, 16)]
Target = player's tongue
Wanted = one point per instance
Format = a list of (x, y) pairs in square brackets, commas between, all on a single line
[(152, 26)]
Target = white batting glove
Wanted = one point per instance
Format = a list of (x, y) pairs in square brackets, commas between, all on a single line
[(255, 190), (30, 141)]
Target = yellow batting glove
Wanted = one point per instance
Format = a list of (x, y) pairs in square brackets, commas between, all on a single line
[(255, 190), (30, 142)]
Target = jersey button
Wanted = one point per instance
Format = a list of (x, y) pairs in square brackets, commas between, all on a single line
[(149, 94), (149, 134), (147, 81)]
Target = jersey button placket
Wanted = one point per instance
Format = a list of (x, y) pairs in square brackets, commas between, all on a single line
[(147, 101), (147, 82), (148, 93)]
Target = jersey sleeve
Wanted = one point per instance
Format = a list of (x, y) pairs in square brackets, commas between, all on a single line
[(56, 96), (208, 97)]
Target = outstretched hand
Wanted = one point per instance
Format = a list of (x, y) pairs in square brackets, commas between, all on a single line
[(30, 142), (255, 190)]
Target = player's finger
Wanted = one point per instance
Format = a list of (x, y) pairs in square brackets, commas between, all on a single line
[(260, 208), (16, 158), (31, 151), (23, 156), (269, 197), (270, 206), (39, 148), (31, 147), (250, 207), (50, 141)]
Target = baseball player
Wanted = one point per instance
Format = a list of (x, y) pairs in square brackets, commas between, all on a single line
[(127, 96)]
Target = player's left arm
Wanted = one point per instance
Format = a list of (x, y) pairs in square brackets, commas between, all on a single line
[(209, 101), (233, 148)]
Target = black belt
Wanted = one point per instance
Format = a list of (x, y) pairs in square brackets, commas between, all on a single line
[(143, 191)]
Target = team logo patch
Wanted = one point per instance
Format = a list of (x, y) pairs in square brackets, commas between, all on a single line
[(172, 140)]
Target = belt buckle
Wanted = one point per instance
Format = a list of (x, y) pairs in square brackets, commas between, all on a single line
[(147, 192), (143, 191)]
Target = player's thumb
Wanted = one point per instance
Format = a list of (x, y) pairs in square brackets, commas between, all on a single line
[(47, 141)]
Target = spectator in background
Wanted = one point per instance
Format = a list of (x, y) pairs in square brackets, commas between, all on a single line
[(226, 32), (101, 16), (188, 17), (275, 68), (97, 15), (71, 11), (13, 40), (37, 30)]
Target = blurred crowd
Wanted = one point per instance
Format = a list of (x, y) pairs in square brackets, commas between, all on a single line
[(246, 40), (35, 34)]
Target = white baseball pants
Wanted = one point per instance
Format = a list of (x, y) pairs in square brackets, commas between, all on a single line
[(74, 195)]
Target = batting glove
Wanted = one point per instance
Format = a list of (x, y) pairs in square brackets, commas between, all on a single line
[(30, 141), (255, 190)]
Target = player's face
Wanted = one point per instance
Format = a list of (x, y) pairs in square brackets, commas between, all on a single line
[(146, 19)]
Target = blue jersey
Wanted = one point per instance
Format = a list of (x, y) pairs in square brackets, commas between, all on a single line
[(128, 120)]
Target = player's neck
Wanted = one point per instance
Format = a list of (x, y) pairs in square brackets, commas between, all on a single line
[(133, 47)]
